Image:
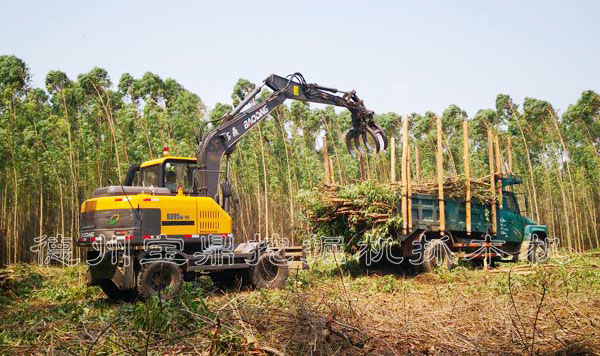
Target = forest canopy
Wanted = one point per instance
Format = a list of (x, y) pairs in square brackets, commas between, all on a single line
[(59, 142)]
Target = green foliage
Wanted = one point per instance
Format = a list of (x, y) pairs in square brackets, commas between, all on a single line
[(369, 192), (14, 75), (357, 226)]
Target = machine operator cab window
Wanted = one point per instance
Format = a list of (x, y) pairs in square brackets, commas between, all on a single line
[(151, 176), (171, 174), (179, 173)]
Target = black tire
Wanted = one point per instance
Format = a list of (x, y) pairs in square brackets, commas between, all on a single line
[(226, 279), (115, 293), (480, 262), (538, 251), (159, 278), (436, 255), (270, 272)]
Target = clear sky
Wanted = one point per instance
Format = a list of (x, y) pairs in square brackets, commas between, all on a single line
[(400, 56)]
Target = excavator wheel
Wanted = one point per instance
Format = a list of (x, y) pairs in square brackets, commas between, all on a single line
[(270, 272), (159, 278), (115, 293)]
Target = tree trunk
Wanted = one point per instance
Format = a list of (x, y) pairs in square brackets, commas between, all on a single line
[(264, 167), (529, 165)]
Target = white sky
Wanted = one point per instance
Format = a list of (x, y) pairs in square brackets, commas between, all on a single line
[(400, 56)]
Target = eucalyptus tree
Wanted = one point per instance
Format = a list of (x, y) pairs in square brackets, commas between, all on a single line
[(14, 84), (100, 102)]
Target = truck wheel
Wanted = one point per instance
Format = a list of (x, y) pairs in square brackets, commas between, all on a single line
[(538, 250), (115, 293), (436, 255), (270, 272), (161, 278)]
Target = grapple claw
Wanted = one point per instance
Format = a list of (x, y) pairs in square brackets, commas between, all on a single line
[(379, 136), (357, 144), (365, 141), (364, 128), (349, 144)]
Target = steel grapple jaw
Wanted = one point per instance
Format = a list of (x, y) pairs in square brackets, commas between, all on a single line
[(366, 135)]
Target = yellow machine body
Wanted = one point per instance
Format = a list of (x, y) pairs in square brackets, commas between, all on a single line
[(173, 215)]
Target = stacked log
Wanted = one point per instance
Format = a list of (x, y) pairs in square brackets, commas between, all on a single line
[(362, 209), (356, 210)]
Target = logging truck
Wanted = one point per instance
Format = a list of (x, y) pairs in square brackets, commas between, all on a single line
[(438, 232)]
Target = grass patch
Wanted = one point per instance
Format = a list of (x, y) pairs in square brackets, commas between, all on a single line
[(332, 308)]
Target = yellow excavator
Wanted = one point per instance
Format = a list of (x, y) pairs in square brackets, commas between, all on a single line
[(170, 219)]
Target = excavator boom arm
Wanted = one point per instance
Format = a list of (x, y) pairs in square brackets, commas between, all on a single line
[(238, 122)]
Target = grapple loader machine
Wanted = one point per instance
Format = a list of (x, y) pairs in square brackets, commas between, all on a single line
[(171, 218)]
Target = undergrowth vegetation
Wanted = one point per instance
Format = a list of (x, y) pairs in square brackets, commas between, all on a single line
[(334, 307)]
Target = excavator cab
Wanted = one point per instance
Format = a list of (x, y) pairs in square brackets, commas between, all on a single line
[(168, 172)]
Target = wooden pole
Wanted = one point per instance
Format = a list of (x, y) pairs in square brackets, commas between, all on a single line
[(510, 158), (499, 169), (417, 163), (409, 189), (326, 161), (367, 166), (492, 178), (393, 160), (363, 174), (440, 177), (404, 187), (331, 173), (467, 159), (499, 159)]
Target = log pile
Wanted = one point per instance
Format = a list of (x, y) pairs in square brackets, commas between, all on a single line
[(365, 211), (370, 211), (358, 206), (454, 188), (354, 207)]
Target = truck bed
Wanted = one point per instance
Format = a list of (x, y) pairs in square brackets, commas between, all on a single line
[(425, 214)]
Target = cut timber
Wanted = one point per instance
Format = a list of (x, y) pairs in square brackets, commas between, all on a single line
[(393, 160), (510, 158), (326, 161), (492, 177), (358, 208), (361, 162), (499, 159), (403, 184), (417, 164), (499, 169), (467, 176), (331, 174), (409, 190), (378, 215), (440, 176)]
